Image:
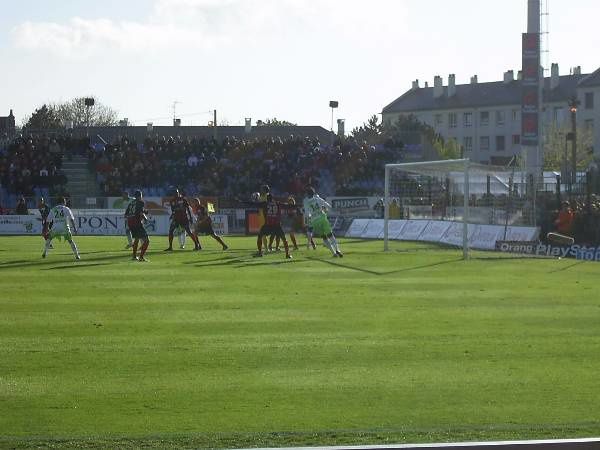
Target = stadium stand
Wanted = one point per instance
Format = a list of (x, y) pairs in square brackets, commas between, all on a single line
[(235, 166), (32, 167)]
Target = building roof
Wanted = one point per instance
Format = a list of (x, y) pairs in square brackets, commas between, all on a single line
[(141, 132), (480, 95), (591, 80)]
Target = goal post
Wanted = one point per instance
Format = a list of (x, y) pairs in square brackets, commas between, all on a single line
[(451, 194)]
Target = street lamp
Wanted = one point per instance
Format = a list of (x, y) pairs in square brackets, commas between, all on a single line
[(333, 104), (573, 104)]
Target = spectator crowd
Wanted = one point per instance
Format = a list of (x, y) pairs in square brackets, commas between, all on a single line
[(33, 162), (233, 166)]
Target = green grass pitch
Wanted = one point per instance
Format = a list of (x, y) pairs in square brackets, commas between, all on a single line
[(221, 349)]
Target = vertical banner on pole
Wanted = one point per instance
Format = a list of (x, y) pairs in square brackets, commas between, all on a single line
[(530, 90)]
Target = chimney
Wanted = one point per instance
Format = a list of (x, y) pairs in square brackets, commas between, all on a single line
[(426, 84), (554, 76), (248, 125), (520, 75), (451, 85), (474, 79), (438, 87), (415, 85), (10, 114), (509, 76), (577, 70)]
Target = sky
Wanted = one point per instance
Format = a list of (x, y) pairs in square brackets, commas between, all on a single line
[(262, 59)]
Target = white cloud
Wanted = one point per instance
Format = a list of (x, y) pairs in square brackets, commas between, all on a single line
[(205, 24)]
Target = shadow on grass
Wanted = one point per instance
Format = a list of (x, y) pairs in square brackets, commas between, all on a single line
[(49, 261), (392, 272), (75, 265), (570, 266), (243, 262)]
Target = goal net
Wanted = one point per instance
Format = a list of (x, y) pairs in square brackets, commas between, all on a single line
[(457, 203)]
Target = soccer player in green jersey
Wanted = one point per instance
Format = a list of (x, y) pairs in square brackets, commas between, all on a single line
[(62, 224), (314, 209)]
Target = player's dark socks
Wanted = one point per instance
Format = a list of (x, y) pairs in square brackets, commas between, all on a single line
[(168, 249), (259, 245), (144, 248)]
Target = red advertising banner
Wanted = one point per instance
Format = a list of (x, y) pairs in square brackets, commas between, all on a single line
[(530, 90)]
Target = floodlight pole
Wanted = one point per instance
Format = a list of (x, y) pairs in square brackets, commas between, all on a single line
[(333, 104)]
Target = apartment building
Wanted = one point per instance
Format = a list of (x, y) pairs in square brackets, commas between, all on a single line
[(485, 118)]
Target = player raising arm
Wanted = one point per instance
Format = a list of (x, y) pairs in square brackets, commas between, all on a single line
[(204, 225), (314, 208), (181, 216), (272, 211), (62, 224), (135, 220)]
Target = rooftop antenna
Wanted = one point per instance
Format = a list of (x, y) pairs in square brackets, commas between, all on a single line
[(175, 103)]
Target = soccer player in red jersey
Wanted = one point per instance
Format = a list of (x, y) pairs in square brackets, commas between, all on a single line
[(289, 223), (204, 225), (181, 216), (136, 217), (272, 210), (44, 210)]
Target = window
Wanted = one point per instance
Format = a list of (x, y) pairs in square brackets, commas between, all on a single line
[(439, 119), (468, 119), (500, 117), (516, 139), (559, 115), (589, 100), (468, 143), (515, 115), (589, 124), (500, 144), (484, 118), (452, 120), (484, 143)]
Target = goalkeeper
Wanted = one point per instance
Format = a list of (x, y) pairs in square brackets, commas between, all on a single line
[(314, 209)]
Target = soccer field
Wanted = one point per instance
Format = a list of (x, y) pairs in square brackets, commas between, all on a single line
[(221, 349)]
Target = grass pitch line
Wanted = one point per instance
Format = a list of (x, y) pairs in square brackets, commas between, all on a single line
[(555, 444)]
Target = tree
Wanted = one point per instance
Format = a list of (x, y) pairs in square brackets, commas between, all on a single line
[(76, 112), (447, 149), (370, 131), (557, 149), (274, 122), (44, 118)]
